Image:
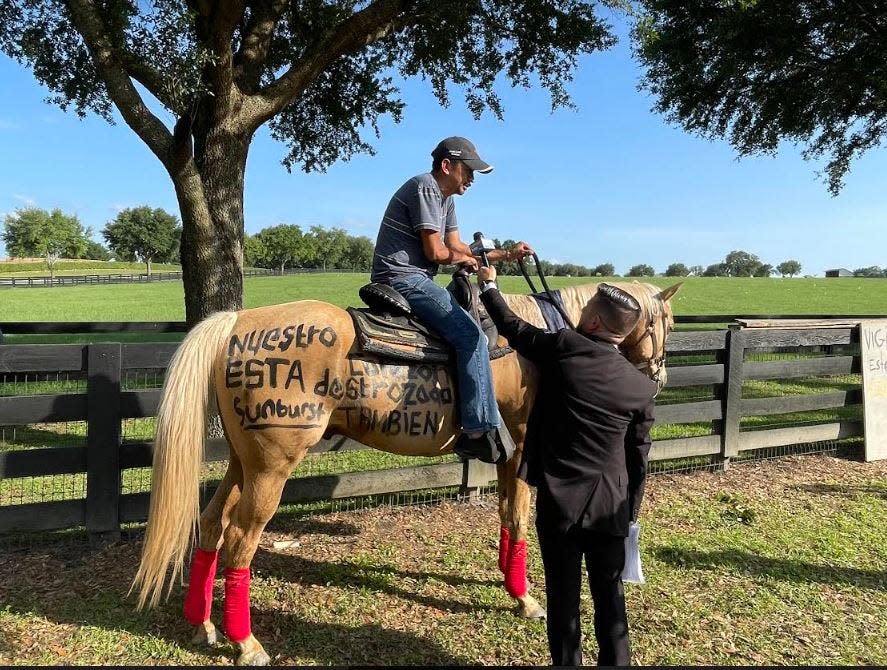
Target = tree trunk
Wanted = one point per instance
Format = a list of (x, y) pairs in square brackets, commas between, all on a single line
[(212, 224), (148, 266)]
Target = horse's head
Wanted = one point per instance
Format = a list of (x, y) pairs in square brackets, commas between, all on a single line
[(645, 345)]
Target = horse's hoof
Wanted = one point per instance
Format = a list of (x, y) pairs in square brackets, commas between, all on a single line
[(529, 608), (252, 653), (205, 634)]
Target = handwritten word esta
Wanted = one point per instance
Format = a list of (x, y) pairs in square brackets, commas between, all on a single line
[(259, 414), (259, 372), (395, 422), (281, 339)]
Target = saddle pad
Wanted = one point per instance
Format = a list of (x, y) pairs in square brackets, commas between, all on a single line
[(553, 319), (397, 337), (403, 338)]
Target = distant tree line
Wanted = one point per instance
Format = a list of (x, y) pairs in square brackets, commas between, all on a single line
[(151, 235), (871, 271)]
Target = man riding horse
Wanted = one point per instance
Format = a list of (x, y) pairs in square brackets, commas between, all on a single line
[(418, 233)]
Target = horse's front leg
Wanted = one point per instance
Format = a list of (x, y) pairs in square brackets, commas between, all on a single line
[(514, 515)]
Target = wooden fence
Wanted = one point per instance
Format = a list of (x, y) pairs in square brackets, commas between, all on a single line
[(103, 456), (120, 278)]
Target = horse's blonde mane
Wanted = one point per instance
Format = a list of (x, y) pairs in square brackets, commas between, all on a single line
[(576, 297)]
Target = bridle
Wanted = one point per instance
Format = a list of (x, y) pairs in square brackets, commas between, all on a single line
[(654, 367)]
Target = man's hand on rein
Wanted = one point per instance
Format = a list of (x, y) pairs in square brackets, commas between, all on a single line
[(485, 274)]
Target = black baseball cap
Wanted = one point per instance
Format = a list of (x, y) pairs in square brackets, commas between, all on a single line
[(459, 148)]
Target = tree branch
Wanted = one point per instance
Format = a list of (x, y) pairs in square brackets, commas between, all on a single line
[(369, 25), (256, 42), (215, 27), (137, 116), (148, 77)]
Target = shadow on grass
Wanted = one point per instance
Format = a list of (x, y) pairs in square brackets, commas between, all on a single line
[(845, 490), (87, 588), (311, 526), (375, 578), (776, 568)]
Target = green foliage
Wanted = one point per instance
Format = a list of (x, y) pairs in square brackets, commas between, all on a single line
[(32, 231), (144, 234), (329, 246), (176, 53), (715, 270), (604, 270), (677, 270), (358, 255), (790, 268), (763, 270), (641, 270), (96, 252), (871, 271), (756, 73), (696, 270), (282, 245), (741, 264)]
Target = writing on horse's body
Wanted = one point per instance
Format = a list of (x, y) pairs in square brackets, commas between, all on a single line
[(284, 376)]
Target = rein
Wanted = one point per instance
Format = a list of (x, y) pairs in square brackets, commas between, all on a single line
[(554, 302)]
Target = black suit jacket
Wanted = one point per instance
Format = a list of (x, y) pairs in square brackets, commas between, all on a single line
[(588, 437)]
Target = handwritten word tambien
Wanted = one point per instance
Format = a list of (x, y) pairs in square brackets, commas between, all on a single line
[(395, 422)]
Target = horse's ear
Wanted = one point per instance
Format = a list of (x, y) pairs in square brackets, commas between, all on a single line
[(667, 293)]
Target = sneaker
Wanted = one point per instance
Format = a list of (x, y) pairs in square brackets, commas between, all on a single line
[(483, 448), (490, 447)]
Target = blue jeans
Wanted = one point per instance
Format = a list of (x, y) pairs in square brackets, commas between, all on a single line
[(437, 308)]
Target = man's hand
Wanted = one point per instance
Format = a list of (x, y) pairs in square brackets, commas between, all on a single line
[(519, 251), (467, 262), (485, 274)]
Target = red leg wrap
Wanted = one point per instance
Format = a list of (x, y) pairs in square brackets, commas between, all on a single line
[(504, 539), (235, 620), (516, 571), (199, 599)]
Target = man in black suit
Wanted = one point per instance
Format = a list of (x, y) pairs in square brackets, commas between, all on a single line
[(586, 452)]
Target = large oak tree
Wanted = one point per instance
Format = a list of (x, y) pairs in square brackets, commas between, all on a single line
[(317, 71), (757, 72)]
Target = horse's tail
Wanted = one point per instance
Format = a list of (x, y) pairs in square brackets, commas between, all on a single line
[(178, 454)]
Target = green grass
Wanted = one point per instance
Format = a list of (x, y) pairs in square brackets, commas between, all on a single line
[(163, 301)]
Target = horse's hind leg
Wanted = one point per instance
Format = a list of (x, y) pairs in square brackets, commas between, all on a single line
[(213, 521), (257, 504)]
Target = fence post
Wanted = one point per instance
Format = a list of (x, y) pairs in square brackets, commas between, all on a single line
[(103, 441), (732, 393), (475, 475)]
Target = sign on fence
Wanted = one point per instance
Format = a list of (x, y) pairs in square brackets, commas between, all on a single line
[(873, 348)]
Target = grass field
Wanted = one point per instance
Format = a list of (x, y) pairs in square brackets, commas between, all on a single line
[(164, 301)]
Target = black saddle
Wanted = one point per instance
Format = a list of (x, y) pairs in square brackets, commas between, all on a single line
[(388, 328)]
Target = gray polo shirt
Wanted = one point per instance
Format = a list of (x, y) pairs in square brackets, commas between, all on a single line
[(416, 205)]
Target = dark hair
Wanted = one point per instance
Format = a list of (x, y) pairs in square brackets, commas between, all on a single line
[(618, 309)]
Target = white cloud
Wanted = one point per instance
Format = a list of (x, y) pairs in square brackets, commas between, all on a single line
[(26, 200)]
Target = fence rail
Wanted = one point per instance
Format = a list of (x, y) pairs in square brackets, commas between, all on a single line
[(125, 278), (104, 405)]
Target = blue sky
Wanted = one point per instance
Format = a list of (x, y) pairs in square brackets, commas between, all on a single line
[(607, 182)]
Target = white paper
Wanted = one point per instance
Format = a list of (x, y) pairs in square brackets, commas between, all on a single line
[(632, 572)]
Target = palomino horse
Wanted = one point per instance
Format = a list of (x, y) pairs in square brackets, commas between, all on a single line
[(284, 376)]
